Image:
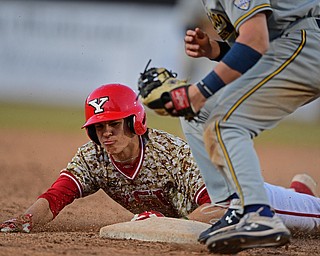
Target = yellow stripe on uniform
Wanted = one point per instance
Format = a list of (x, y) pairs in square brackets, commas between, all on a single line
[(269, 77), (242, 99), (225, 153), (250, 12)]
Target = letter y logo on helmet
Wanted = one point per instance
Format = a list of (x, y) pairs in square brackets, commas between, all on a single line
[(98, 104)]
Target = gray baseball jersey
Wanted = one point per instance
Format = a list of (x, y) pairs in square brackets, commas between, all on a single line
[(285, 78)]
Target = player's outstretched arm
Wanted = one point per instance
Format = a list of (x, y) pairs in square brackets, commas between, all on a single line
[(62, 192), (37, 214)]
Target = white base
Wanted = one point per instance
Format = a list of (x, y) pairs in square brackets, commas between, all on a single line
[(157, 229)]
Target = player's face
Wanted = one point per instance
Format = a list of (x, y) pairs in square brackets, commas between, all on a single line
[(115, 136)]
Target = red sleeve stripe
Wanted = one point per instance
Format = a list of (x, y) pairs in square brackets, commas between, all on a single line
[(69, 175), (202, 196), (300, 214)]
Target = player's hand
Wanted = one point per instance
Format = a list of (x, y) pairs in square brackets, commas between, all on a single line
[(196, 98), (23, 223), (147, 215), (198, 44)]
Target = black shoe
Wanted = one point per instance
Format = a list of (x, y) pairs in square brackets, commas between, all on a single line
[(229, 219), (252, 231)]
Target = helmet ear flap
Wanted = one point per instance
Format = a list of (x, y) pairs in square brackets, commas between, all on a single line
[(136, 126), (140, 125), (91, 131)]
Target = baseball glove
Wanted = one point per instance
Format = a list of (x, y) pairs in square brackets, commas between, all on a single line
[(158, 86)]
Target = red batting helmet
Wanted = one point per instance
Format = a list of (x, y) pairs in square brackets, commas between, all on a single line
[(112, 102)]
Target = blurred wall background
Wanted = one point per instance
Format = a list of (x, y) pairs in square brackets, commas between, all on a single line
[(57, 52)]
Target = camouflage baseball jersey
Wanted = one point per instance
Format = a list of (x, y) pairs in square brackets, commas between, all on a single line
[(165, 178)]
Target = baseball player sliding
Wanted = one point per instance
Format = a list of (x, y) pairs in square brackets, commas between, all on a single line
[(147, 171), (267, 66)]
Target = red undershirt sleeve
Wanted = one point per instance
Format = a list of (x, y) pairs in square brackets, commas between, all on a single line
[(62, 192)]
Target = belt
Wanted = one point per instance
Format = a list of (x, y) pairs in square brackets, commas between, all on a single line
[(318, 22)]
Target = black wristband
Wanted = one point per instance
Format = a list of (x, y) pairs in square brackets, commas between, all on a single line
[(224, 48)]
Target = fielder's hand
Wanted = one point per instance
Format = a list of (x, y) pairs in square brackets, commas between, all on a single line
[(146, 215), (22, 223), (158, 86)]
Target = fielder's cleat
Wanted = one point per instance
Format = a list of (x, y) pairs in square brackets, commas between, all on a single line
[(252, 231), (228, 220), (303, 183)]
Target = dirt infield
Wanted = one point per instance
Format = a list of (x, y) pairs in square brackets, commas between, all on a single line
[(31, 161)]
